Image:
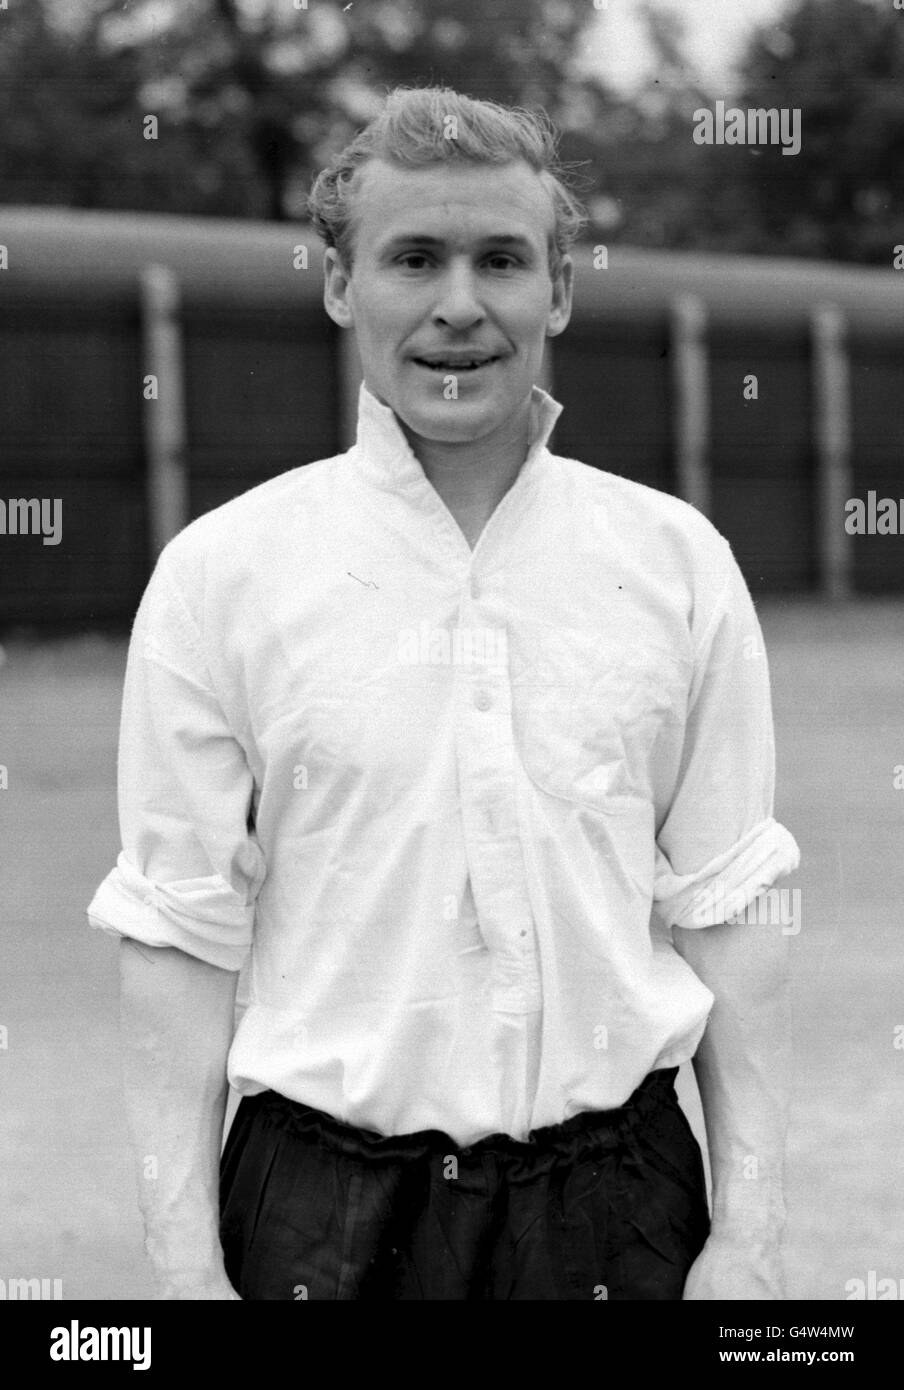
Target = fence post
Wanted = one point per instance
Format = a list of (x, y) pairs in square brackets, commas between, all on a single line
[(164, 413), (832, 440), (691, 414)]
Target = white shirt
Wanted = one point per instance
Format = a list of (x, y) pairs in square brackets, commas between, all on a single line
[(451, 801)]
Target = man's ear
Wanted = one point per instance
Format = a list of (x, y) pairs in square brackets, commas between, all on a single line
[(562, 292), (335, 289)]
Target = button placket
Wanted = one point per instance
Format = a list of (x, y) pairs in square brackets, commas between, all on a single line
[(485, 759)]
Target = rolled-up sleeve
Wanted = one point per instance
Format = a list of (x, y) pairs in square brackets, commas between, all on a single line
[(719, 844), (190, 867)]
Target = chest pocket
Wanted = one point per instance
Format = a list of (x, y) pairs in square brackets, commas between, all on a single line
[(587, 717)]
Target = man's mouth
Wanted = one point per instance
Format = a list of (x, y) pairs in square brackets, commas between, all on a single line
[(455, 364)]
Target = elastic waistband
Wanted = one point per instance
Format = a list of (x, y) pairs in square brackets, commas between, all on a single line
[(590, 1127)]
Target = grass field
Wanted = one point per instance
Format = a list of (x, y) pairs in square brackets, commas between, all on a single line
[(67, 1191)]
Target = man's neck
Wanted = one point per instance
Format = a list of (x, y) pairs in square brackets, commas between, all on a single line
[(473, 478)]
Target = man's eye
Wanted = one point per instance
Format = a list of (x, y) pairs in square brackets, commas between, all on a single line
[(412, 260), (502, 262)]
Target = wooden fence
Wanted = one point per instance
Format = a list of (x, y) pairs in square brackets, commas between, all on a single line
[(152, 367)]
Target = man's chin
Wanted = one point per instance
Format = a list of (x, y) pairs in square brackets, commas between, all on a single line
[(459, 430), (454, 421)]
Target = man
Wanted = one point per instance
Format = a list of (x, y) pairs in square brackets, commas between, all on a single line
[(453, 733)]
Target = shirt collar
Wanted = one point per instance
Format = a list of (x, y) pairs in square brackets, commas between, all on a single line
[(386, 459)]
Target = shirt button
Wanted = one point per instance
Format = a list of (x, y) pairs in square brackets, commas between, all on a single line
[(483, 699)]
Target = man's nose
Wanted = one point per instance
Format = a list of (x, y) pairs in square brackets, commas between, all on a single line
[(458, 305)]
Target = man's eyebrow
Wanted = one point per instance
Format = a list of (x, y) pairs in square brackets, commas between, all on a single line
[(414, 238), (514, 241)]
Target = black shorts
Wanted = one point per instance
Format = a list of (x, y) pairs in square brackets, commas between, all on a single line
[(608, 1205)]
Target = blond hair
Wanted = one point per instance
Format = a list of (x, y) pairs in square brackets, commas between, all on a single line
[(412, 131)]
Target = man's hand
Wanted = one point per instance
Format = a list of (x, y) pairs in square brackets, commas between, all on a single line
[(737, 1265)]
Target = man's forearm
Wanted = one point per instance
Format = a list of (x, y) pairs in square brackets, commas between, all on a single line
[(177, 1017), (743, 1069)]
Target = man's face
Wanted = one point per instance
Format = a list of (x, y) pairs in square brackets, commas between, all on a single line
[(450, 293)]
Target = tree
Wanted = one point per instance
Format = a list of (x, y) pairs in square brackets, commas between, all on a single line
[(72, 120), (841, 62), (248, 98), (292, 85)]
